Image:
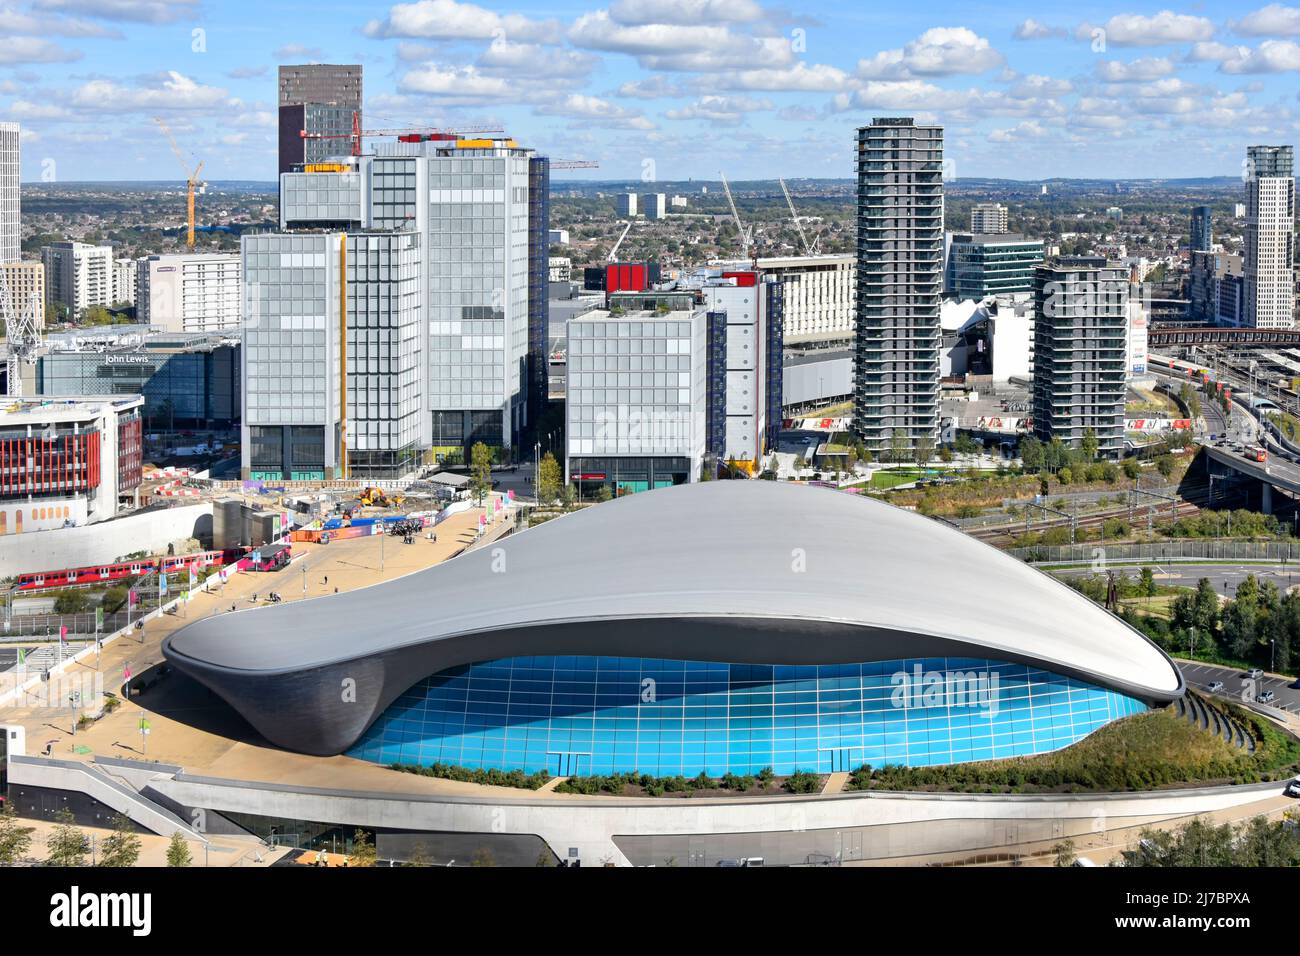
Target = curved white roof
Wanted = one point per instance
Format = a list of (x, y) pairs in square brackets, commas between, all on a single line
[(752, 549)]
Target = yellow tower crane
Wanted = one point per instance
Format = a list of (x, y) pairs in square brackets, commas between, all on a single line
[(192, 182)]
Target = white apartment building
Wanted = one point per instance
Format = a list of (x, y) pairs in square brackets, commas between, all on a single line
[(819, 293), (10, 203), (988, 218), (635, 413), (626, 205), (189, 293), (124, 281), (79, 275), (1269, 259)]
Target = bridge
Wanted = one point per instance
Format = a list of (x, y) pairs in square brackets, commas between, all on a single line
[(1276, 472), (1163, 336)]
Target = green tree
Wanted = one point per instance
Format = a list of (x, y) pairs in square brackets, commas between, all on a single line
[(15, 839), (363, 850), (1132, 469), (1089, 445), (122, 846), (923, 451), (178, 851), (1147, 583), (549, 479), (480, 470), (67, 845), (1064, 853), (567, 497), (1031, 453), (1165, 465), (898, 446), (603, 493)]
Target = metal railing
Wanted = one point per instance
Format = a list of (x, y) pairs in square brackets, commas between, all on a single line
[(1212, 549)]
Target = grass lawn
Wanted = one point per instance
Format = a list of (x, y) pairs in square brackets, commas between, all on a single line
[(1152, 750)]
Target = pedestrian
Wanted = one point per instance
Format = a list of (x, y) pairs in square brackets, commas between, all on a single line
[(327, 580), (336, 590)]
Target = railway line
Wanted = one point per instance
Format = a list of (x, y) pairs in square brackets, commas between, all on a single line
[(1192, 501)]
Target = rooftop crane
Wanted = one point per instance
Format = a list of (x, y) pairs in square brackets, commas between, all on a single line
[(809, 249), (614, 252), (413, 133), (746, 232), (574, 164), (192, 181), (22, 330)]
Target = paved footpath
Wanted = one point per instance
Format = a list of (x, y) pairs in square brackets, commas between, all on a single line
[(316, 571)]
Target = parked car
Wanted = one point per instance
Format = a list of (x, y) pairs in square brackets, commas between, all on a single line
[(1255, 673), (1214, 686), (1293, 788), (1267, 697)]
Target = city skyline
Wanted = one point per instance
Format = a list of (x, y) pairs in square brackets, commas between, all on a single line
[(1114, 91)]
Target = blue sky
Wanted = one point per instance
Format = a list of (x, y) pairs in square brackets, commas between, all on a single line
[(667, 89)]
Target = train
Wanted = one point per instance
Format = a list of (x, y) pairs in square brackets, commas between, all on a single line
[(267, 559)]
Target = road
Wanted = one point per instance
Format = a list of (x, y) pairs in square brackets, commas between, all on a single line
[(1223, 577), (1200, 676)]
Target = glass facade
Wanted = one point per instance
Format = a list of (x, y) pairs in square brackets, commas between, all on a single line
[(585, 715), (181, 387)]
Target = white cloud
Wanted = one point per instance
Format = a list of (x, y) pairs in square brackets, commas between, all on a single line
[(16, 50), (703, 48), (652, 88), (1029, 129), (688, 12), (1036, 85), (168, 91), (296, 51), (530, 59), (1134, 29), (1271, 56), (725, 110), (450, 20), (1031, 29), (798, 78), (594, 111), (463, 83), (27, 110), (136, 11), (1147, 68), (940, 51), (1273, 20), (15, 21)]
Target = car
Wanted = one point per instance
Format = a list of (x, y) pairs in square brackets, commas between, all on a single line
[(1293, 788), (1254, 673), (1214, 686), (1267, 697), (1295, 684)]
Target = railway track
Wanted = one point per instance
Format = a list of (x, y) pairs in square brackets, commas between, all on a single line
[(1192, 502)]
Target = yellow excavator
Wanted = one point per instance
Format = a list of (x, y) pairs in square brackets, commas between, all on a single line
[(377, 498)]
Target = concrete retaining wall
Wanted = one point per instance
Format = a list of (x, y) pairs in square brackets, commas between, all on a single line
[(105, 542)]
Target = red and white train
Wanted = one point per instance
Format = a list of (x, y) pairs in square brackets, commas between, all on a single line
[(95, 574)]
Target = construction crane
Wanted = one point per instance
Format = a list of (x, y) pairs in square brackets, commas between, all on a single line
[(809, 249), (192, 181), (614, 252), (746, 232), (409, 134), (574, 164), (22, 332)]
